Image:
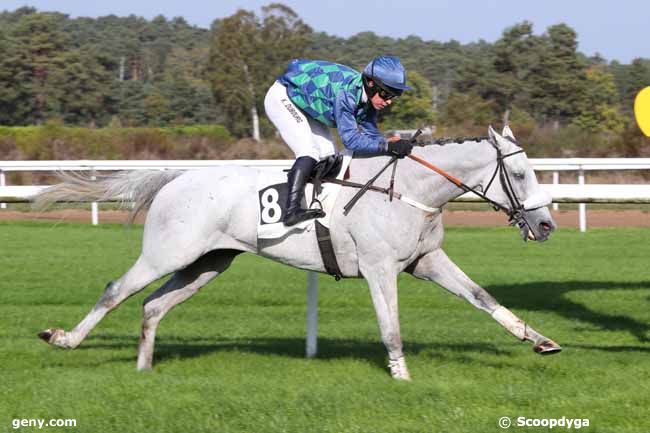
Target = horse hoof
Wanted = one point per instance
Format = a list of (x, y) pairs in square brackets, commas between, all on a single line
[(547, 347), (50, 335), (398, 369)]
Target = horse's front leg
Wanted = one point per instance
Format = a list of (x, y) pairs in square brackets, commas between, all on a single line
[(437, 267), (382, 282)]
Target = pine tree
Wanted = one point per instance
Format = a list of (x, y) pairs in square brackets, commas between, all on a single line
[(81, 83), (16, 97), (246, 55), (43, 36), (559, 79)]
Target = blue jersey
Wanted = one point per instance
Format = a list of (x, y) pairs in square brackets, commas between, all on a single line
[(332, 94)]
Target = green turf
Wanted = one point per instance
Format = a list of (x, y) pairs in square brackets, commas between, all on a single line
[(231, 359)]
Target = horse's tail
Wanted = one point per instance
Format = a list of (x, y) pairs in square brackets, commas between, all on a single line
[(138, 187)]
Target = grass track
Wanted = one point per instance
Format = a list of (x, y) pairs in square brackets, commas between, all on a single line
[(231, 358)]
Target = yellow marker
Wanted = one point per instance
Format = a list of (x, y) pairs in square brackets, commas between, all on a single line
[(642, 110)]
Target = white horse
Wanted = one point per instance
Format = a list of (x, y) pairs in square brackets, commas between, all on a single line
[(199, 220)]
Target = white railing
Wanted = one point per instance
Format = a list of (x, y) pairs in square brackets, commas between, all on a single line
[(611, 194), (562, 193)]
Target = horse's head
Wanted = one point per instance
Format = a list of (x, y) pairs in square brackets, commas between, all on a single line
[(514, 186)]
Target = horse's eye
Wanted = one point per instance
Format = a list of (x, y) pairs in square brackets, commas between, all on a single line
[(519, 175)]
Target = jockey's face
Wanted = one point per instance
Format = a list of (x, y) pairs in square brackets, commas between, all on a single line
[(380, 103), (377, 101)]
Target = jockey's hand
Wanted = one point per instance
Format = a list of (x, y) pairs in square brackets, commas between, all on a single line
[(400, 148)]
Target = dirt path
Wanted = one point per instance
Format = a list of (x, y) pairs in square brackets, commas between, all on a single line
[(595, 218)]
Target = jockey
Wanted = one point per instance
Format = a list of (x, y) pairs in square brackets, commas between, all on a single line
[(313, 96)]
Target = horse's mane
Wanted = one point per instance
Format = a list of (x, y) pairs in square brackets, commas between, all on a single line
[(447, 140)]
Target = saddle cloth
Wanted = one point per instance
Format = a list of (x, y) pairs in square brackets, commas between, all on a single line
[(272, 201)]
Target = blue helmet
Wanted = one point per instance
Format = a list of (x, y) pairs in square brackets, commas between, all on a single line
[(387, 71)]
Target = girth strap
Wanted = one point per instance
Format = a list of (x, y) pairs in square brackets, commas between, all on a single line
[(327, 251)]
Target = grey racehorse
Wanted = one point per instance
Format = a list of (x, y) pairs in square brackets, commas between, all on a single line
[(199, 220)]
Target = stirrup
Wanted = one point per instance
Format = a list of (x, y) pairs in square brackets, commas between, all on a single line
[(300, 215)]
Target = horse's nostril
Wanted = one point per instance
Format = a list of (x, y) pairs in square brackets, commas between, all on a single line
[(545, 227)]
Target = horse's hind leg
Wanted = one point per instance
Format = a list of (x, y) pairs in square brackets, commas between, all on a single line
[(138, 277), (436, 266), (180, 287)]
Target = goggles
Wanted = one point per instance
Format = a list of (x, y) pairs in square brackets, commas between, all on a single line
[(387, 94)]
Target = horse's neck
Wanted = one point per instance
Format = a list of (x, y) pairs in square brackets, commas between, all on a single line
[(468, 161)]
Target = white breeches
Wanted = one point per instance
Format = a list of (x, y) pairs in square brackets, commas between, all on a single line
[(305, 136)]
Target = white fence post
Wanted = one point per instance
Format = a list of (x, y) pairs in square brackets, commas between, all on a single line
[(94, 207), (2, 183), (556, 181), (312, 314), (582, 207)]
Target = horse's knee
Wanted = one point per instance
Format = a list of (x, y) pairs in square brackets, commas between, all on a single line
[(152, 313), (111, 296)]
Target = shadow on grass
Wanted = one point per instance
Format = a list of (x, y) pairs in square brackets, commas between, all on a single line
[(550, 296), (501, 356), (294, 347), (328, 349)]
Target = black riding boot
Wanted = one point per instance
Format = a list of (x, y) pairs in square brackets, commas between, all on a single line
[(297, 178)]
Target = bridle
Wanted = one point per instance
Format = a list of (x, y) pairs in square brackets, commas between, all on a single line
[(516, 208)]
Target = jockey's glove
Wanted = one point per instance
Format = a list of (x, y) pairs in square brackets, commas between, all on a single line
[(400, 148)]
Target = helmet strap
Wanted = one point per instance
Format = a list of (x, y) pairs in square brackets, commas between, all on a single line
[(370, 91)]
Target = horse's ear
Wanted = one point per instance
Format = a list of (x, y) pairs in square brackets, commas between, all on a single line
[(491, 132), (507, 132), (494, 137)]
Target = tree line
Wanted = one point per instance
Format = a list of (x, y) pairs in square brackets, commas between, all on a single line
[(92, 72), (132, 72)]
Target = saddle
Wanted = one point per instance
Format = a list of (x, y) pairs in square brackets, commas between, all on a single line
[(326, 168)]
